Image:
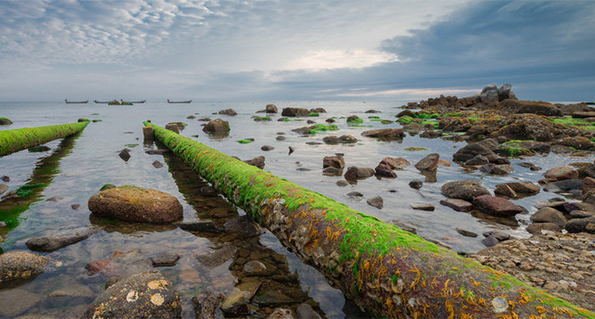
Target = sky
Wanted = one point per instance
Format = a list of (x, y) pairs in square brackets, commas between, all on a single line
[(267, 50)]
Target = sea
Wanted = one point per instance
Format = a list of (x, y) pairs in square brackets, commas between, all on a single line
[(71, 170)]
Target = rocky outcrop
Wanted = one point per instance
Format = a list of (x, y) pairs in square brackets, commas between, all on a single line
[(144, 295), (136, 204), (521, 107)]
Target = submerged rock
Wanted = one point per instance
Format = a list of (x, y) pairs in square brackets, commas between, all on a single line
[(19, 266), (52, 243), (205, 305), (144, 295), (136, 204)]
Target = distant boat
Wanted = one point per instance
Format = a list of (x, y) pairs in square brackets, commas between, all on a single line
[(139, 102), (101, 102), (121, 102), (189, 101), (590, 103), (76, 102)]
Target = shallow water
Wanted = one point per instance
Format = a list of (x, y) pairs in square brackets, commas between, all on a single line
[(76, 168)]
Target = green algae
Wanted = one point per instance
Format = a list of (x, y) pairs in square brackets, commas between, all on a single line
[(5, 119), (245, 141), (262, 118), (15, 140), (323, 128), (27, 189), (374, 117), (433, 123), (356, 121), (425, 115), (414, 149), (405, 120), (313, 114)]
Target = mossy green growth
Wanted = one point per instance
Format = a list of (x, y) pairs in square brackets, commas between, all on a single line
[(245, 141), (386, 122), (405, 120), (356, 121), (15, 140), (262, 118), (434, 123), (313, 114), (323, 128), (5, 119), (107, 186), (97, 120), (373, 117), (414, 149), (567, 120), (25, 190), (425, 115), (452, 114)]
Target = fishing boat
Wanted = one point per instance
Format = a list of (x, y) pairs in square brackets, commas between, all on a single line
[(101, 102), (138, 102), (76, 102), (121, 102), (189, 101)]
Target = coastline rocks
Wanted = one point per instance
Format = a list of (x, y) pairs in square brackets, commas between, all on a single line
[(549, 215), (205, 305), (49, 244), (428, 163), (335, 161), (560, 173), (496, 206), (576, 142), (295, 111), (216, 126), (230, 112), (521, 107), (136, 204), (395, 162), (344, 139), (463, 189), (513, 189), (385, 133), (16, 266), (471, 150), (457, 204), (271, 108), (144, 295), (489, 93), (354, 173)]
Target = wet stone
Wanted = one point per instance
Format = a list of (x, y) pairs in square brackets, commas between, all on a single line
[(18, 266), (466, 233), (282, 313), (168, 259), (202, 226), (305, 311), (423, 206), (205, 305), (375, 201), (342, 183), (157, 164), (416, 184), (218, 257)]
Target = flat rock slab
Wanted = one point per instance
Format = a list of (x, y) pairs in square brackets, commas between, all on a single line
[(457, 204), (218, 257), (144, 295), (496, 206), (52, 243), (136, 204)]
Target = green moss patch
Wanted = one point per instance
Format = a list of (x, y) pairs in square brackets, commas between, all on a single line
[(405, 120), (313, 114), (414, 149), (262, 118), (323, 128), (356, 121), (246, 141)]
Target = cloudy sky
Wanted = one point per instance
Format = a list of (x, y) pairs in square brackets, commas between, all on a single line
[(294, 50)]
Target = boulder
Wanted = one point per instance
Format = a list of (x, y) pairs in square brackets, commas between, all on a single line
[(524, 188), (561, 173), (143, 295), (549, 215), (258, 161), (537, 228), (457, 204), (19, 266), (496, 206), (464, 189), (385, 133), (385, 171), (428, 163), (489, 93), (354, 119), (335, 161), (576, 142), (505, 92), (5, 121), (230, 112), (216, 126), (375, 201), (354, 172), (588, 185), (271, 108), (471, 150), (124, 154), (578, 225), (136, 204), (521, 107), (295, 111), (395, 162), (416, 184)]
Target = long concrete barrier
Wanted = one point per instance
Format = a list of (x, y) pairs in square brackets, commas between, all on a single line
[(19, 139), (386, 271)]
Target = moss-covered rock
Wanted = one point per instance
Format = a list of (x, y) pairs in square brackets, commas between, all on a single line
[(19, 266)]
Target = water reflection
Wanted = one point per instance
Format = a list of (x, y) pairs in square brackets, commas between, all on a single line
[(13, 204)]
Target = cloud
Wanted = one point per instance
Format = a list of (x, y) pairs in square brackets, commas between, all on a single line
[(337, 59)]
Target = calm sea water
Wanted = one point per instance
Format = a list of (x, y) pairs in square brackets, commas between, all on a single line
[(75, 169)]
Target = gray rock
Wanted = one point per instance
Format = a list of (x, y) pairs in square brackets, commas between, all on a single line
[(471, 150), (385, 171), (577, 225), (3, 188), (203, 226), (466, 233), (423, 206), (243, 224), (332, 171), (355, 194), (416, 184), (216, 126), (489, 93), (505, 92), (336, 161), (477, 160), (537, 228), (342, 183), (230, 112), (295, 111), (258, 161), (144, 295), (428, 163), (549, 215), (124, 154), (496, 206), (271, 108), (218, 257), (305, 311), (463, 189), (354, 173), (385, 133), (52, 243), (167, 259), (375, 201), (457, 204)]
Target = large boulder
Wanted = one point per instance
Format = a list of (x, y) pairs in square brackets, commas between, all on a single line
[(576, 142), (489, 93), (143, 295), (496, 206), (51, 243), (549, 215), (354, 173), (295, 111), (561, 173), (216, 126), (505, 92), (335, 161), (18, 266), (465, 189), (136, 204)]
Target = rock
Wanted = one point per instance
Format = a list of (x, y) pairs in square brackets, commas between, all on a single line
[(282, 313), (267, 148), (205, 304), (490, 241), (588, 185), (464, 189), (385, 171), (174, 127), (457, 204), (20, 266), (395, 162), (471, 150), (344, 139), (218, 257), (332, 171), (477, 160), (336, 161), (489, 94), (342, 183), (3, 188), (416, 184), (271, 108), (354, 173), (505, 191), (385, 133), (503, 169), (561, 173), (243, 224), (431, 133), (124, 154), (497, 234), (201, 226), (576, 142), (318, 110), (5, 121), (157, 164), (217, 126), (569, 207), (17, 302), (136, 204), (522, 107), (423, 206), (235, 304), (167, 259), (144, 295), (549, 215), (158, 152), (291, 150), (428, 163), (496, 206), (295, 111), (355, 194), (466, 233), (375, 201), (49, 244), (354, 119), (230, 112), (258, 161), (578, 225), (574, 186), (537, 228), (305, 311), (208, 191), (523, 188), (505, 92)]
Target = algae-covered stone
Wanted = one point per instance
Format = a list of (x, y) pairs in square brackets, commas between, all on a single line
[(136, 204), (144, 295), (20, 266)]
